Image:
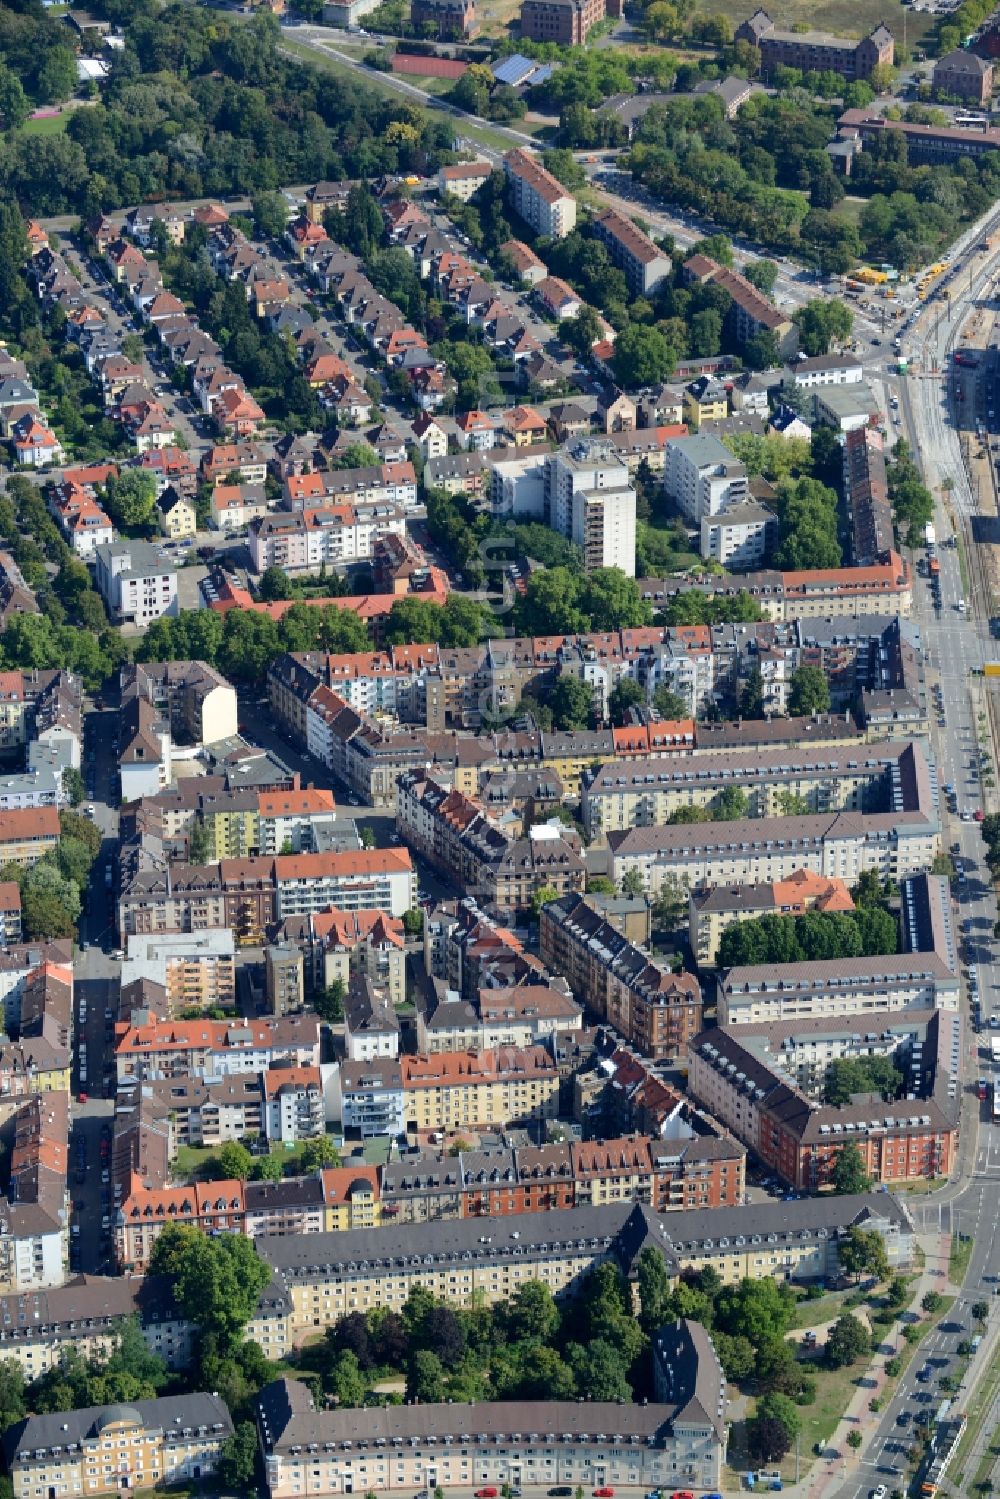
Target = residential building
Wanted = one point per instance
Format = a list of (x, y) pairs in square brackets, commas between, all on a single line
[(329, 1275), (751, 314), (703, 478), (845, 407), (631, 250), (197, 970), (135, 582), (538, 197), (304, 541), (176, 514), (764, 1082), (213, 1207), (371, 1026), (453, 20), (589, 500), (453, 833), (817, 51), (566, 22), (284, 979), (104, 1449), (463, 179), (449, 1091), (368, 1098), (294, 1107), (679, 1438), (654, 1009), (339, 945), (740, 538), (28, 834), (156, 1049), (825, 369)]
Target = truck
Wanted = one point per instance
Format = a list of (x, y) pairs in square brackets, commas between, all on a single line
[(934, 567), (930, 535)]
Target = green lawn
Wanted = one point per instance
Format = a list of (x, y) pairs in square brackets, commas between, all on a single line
[(195, 1161), (810, 1313), (846, 17), (50, 125)]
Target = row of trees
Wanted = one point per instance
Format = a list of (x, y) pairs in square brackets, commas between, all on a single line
[(816, 936), (912, 501)]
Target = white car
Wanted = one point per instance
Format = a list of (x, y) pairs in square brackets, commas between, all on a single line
[(881, 1492)]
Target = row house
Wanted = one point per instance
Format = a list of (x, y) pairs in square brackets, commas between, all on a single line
[(213, 1207), (503, 872), (214, 1048), (656, 1010)]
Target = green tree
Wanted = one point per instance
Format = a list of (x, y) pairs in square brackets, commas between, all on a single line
[(598, 1370), (849, 1175), (216, 1282), (627, 694), (582, 332), (731, 804), (633, 884), (752, 696), (571, 702), (653, 1280), (345, 1381), (238, 1462), (329, 1003), (319, 1152), (670, 705), (755, 1309), (931, 1302), (198, 844), (413, 922), (642, 356), (425, 1378), (863, 1252), (57, 79), (359, 454), (776, 1407), (531, 1313), (131, 499), (234, 1161), (73, 785), (767, 1439), (846, 1076), (267, 1168), (14, 106), (823, 321), (270, 215), (809, 692), (541, 897), (274, 584), (847, 1341), (12, 1403)]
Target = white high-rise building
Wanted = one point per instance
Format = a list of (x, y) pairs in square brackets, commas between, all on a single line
[(590, 501), (702, 477)]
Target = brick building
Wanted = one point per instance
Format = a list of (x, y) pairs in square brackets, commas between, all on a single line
[(816, 51), (564, 21)]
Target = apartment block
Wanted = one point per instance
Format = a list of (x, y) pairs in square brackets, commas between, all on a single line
[(765, 1085), (303, 541), (703, 478), (294, 1107), (215, 1048), (28, 834), (466, 1090), (590, 501), (654, 1009), (213, 1207), (503, 872), (680, 1440), (338, 944), (538, 197), (750, 313), (107, 1448), (817, 51), (329, 1275), (135, 582), (827, 780), (631, 250), (195, 969)]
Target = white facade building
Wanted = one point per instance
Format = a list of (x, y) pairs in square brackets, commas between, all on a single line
[(135, 582), (702, 477), (589, 500)]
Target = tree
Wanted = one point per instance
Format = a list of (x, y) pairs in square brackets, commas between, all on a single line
[(752, 696), (216, 1282), (531, 1313), (731, 804), (897, 1292), (628, 694), (582, 332), (541, 897), (268, 1168), (598, 1370), (329, 1003), (642, 356), (14, 106), (274, 584), (777, 1407), (981, 1311), (367, 838), (571, 702), (854, 1439), (425, 1378), (863, 1252), (131, 499), (823, 321), (198, 844), (270, 215), (359, 454), (345, 1380), (809, 692), (847, 1341), (767, 1439), (234, 1161), (238, 1461), (669, 704), (413, 922), (12, 1402), (73, 785), (737, 1356), (654, 1289), (755, 1309), (57, 76), (633, 884), (847, 1076), (318, 1153), (762, 274), (849, 1175), (931, 1302)]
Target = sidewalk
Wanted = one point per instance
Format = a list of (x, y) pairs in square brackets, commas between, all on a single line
[(840, 1462)]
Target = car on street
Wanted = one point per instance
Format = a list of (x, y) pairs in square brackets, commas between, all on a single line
[(487, 1493), (880, 1492), (604, 1493)]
